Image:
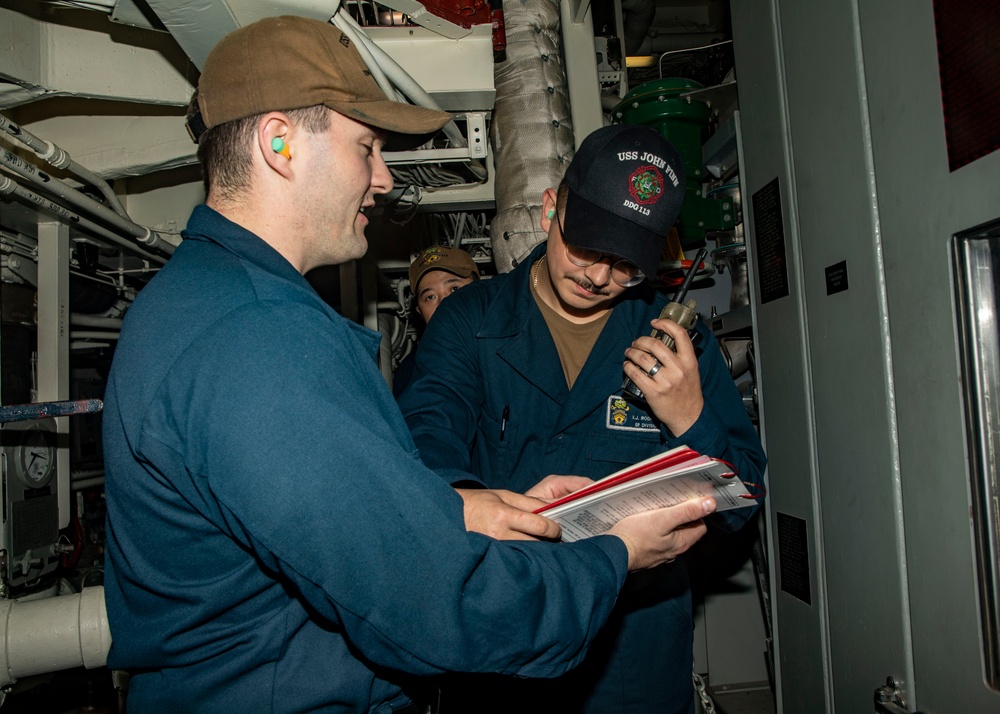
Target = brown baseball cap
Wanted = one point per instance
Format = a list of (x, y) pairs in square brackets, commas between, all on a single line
[(289, 62), (452, 260)]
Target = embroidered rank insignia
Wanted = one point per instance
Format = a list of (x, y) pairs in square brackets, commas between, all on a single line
[(626, 417)]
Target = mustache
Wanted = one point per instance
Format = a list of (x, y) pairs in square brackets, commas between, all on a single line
[(588, 286)]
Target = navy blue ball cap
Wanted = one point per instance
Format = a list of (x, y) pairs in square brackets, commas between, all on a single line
[(626, 187)]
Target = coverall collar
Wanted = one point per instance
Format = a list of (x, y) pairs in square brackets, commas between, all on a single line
[(528, 347)]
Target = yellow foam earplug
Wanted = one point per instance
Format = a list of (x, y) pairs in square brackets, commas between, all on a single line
[(279, 146)]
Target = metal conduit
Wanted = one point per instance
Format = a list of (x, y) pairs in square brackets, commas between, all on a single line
[(11, 187), (397, 75), (70, 195), (60, 159), (378, 73)]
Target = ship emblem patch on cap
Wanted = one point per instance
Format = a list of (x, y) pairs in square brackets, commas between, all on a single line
[(431, 255), (646, 185)]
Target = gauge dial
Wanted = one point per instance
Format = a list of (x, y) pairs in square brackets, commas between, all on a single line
[(36, 458)]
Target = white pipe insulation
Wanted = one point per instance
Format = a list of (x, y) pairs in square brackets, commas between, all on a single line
[(532, 128), (349, 29), (53, 634)]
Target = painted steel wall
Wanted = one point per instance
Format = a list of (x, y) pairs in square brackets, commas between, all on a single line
[(860, 387), (784, 384)]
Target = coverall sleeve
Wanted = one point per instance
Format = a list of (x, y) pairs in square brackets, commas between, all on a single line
[(444, 398), (300, 444)]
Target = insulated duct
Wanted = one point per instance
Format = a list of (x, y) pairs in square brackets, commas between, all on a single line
[(532, 131)]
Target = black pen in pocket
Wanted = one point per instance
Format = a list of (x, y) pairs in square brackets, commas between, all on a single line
[(503, 420)]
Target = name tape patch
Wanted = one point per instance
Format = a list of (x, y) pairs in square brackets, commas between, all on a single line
[(623, 416)]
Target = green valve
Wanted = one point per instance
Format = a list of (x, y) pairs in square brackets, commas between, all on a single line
[(684, 122)]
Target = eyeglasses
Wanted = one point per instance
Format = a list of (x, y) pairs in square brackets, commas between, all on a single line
[(623, 272)]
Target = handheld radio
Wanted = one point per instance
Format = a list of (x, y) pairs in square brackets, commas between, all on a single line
[(681, 312)]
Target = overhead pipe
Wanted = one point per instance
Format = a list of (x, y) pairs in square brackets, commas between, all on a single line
[(11, 187), (85, 483), (85, 475), (399, 77), (377, 72), (60, 159), (92, 335), (9, 236), (111, 323), (65, 192), (13, 248)]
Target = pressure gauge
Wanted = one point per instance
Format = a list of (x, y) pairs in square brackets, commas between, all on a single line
[(35, 457)]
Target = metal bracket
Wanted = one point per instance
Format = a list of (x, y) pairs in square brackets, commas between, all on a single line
[(477, 138), (891, 699)]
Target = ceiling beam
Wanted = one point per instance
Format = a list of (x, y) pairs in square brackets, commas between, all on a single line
[(196, 25)]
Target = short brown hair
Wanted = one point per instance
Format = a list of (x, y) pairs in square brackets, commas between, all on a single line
[(562, 195), (224, 150)]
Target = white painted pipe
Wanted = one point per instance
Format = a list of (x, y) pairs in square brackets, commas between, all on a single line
[(93, 335), (54, 156), (84, 320), (366, 55), (400, 77), (10, 186), (125, 225), (53, 634)]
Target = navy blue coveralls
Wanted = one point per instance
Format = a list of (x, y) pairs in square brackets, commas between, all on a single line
[(488, 354)]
